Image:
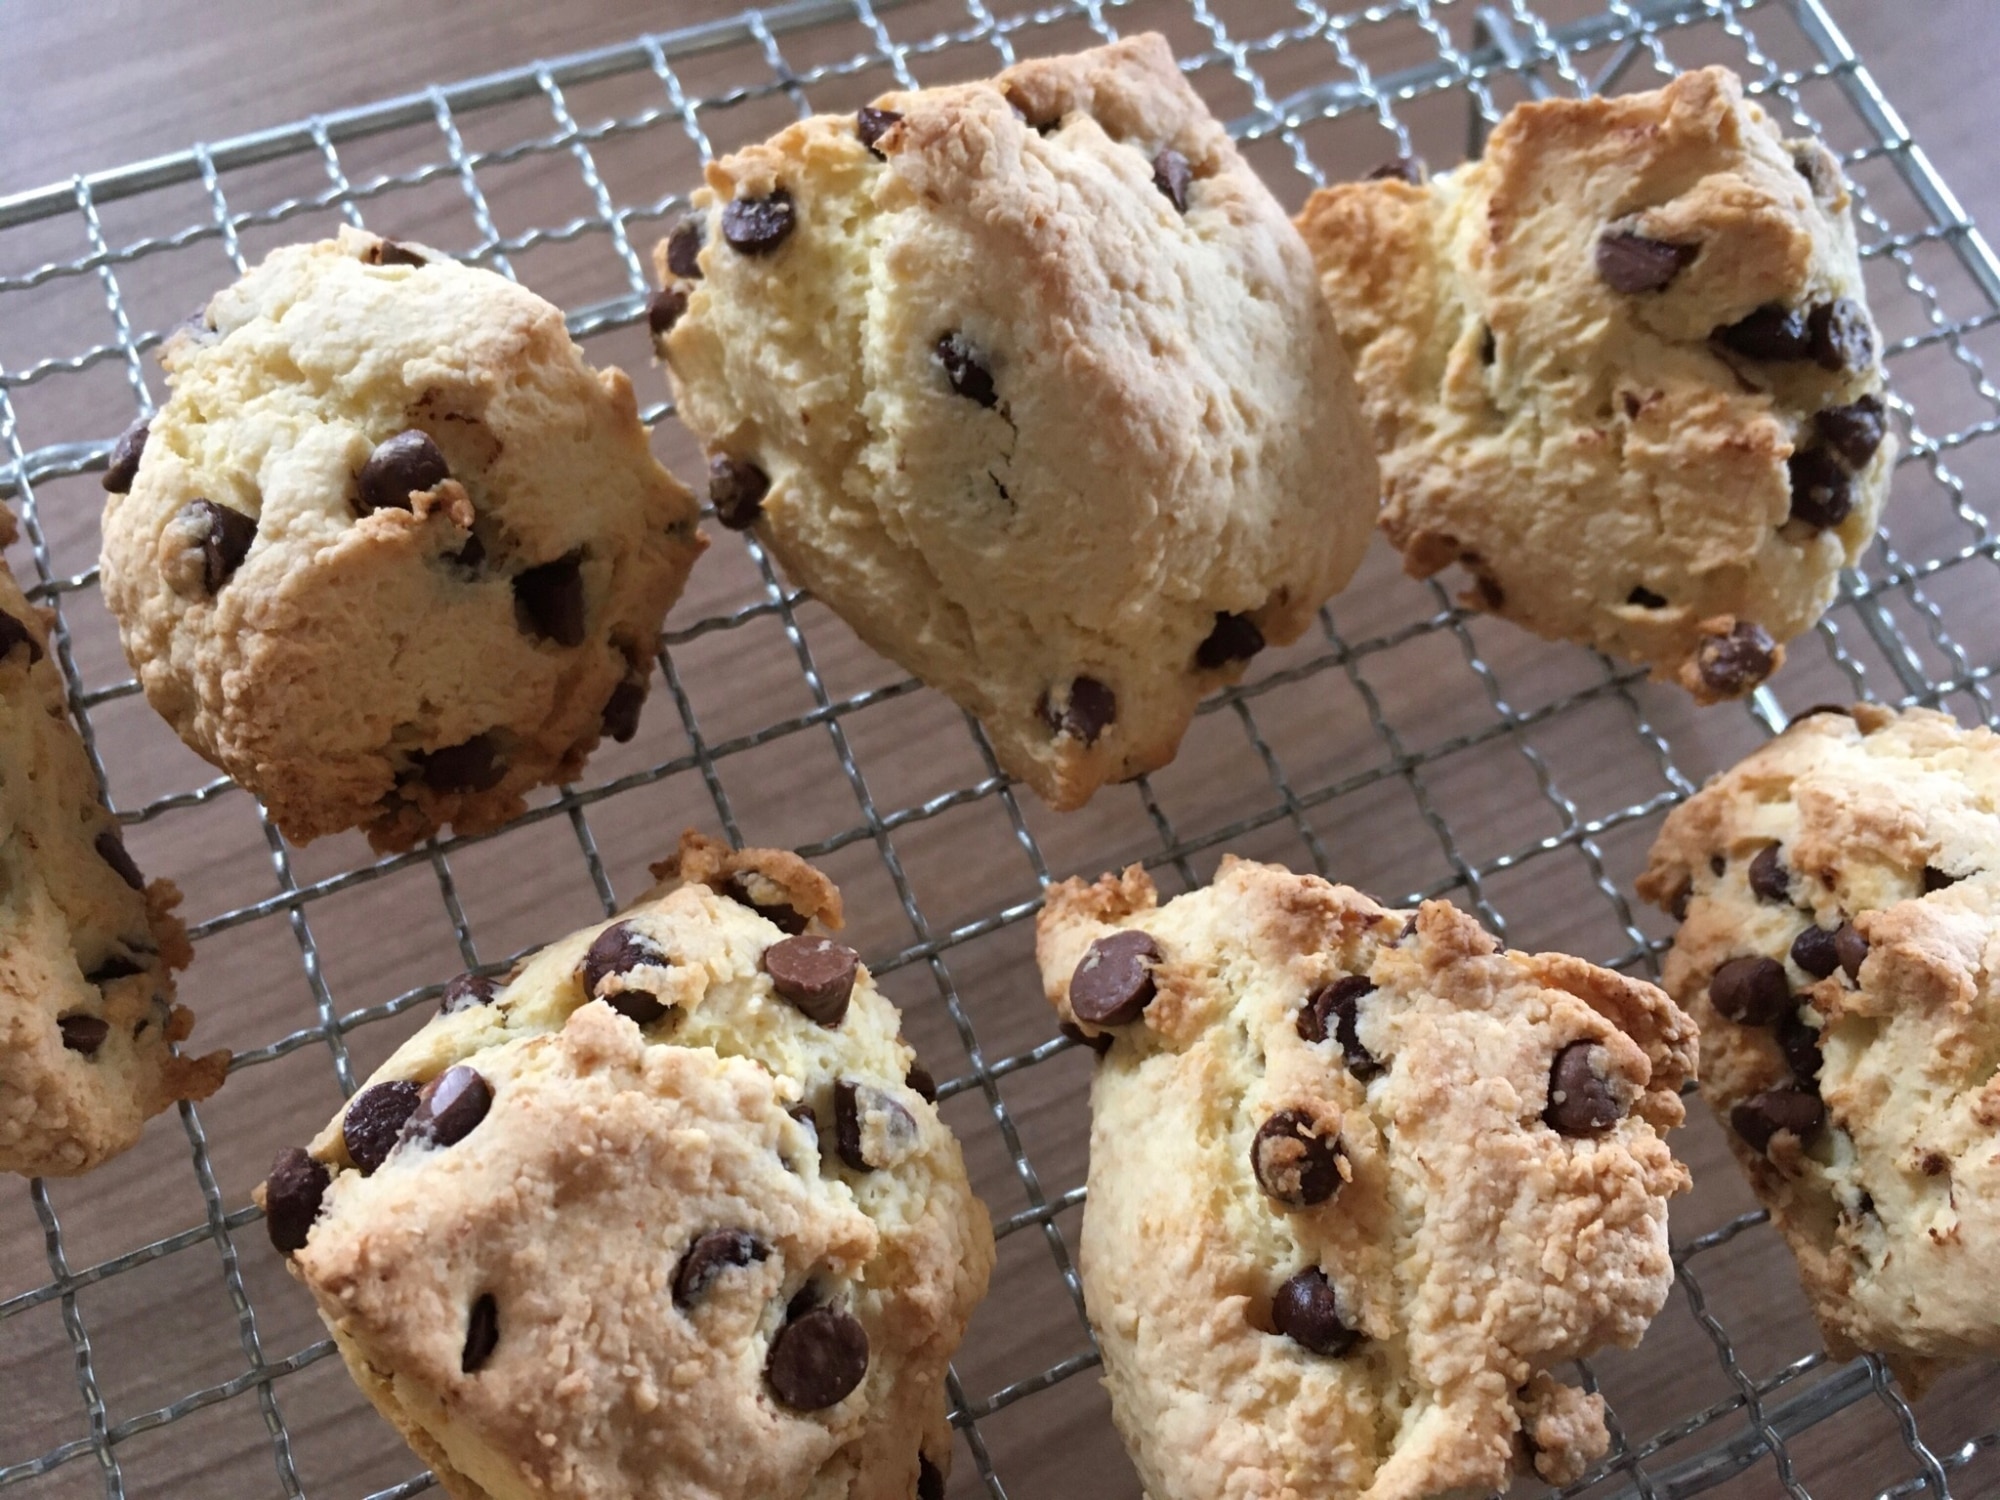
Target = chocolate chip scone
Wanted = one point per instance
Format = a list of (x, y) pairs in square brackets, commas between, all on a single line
[(1621, 369), (1358, 1178), (1029, 381), (88, 947), (1840, 894), (393, 554), (667, 1211)]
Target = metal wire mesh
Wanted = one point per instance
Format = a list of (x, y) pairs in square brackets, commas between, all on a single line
[(1408, 746)]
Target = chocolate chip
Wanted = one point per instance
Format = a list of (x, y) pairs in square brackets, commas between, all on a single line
[(111, 849), (450, 1107), (1769, 878), (784, 917), (620, 949), (804, 1115), (965, 369), (684, 247), (1092, 708), (116, 967), (464, 993), (1732, 664), (1852, 948), (402, 466), (854, 1105), (930, 1480), (1113, 982), (1334, 1010), (1487, 347), (1772, 332), (1580, 1102), (549, 602), (1853, 431), (14, 633), (1717, 864), (665, 309), (736, 488), (471, 557), (1841, 337), (871, 124), (919, 1082), (1171, 175), (293, 1193), (1234, 638), (709, 1256), (1822, 494), (84, 1034), (1408, 169), (1677, 907), (1800, 1044), (815, 974), (471, 766), (1632, 263), (757, 226), (225, 538), (1294, 1164), (1100, 1043), (1816, 951), (125, 453), (1761, 1116), (390, 253), (817, 1359), (1307, 1312), (374, 1122), (1936, 879), (1753, 991), (482, 1334), (621, 710), (1645, 598)]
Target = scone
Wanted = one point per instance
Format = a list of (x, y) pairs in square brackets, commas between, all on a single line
[(1358, 1178), (88, 948), (1840, 890), (667, 1211), (1029, 382), (1622, 370), (393, 554)]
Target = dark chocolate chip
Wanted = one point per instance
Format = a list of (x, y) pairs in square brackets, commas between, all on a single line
[(1853, 431), (1234, 638), (450, 1107), (471, 557), (1717, 864), (1580, 1102), (757, 226), (1852, 948), (1645, 598), (111, 849), (871, 124), (1099, 1043), (482, 1334), (1487, 347), (1822, 493), (785, 918), (1632, 263), (14, 633), (472, 766), (919, 1082), (736, 488), (684, 247), (464, 993), (853, 1105), (930, 1480), (390, 253), (1731, 665), (1841, 337), (1769, 878), (1761, 1116), (1294, 1164), (804, 1115), (293, 1193), (1800, 1044), (1092, 708), (1677, 907), (665, 309), (1408, 169), (619, 949), (815, 974), (1816, 951), (374, 1122), (1753, 991), (1772, 332), (84, 1034), (1334, 1010), (549, 600), (817, 1359), (709, 1256), (1936, 879), (1113, 982), (621, 710), (1307, 1312), (125, 454), (1171, 175), (118, 966), (225, 538), (407, 464), (965, 369)]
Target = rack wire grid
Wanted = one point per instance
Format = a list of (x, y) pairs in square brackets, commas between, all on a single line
[(150, 1341)]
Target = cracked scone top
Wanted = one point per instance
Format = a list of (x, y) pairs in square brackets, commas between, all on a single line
[(704, 1234), (1028, 379), (394, 554), (1358, 1178), (87, 946), (1841, 898), (1621, 370)]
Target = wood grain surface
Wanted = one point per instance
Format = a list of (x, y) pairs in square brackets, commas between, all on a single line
[(1338, 755)]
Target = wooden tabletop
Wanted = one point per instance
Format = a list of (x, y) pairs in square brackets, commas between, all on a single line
[(1338, 756)]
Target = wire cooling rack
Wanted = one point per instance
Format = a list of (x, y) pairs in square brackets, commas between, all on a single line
[(149, 1339)]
